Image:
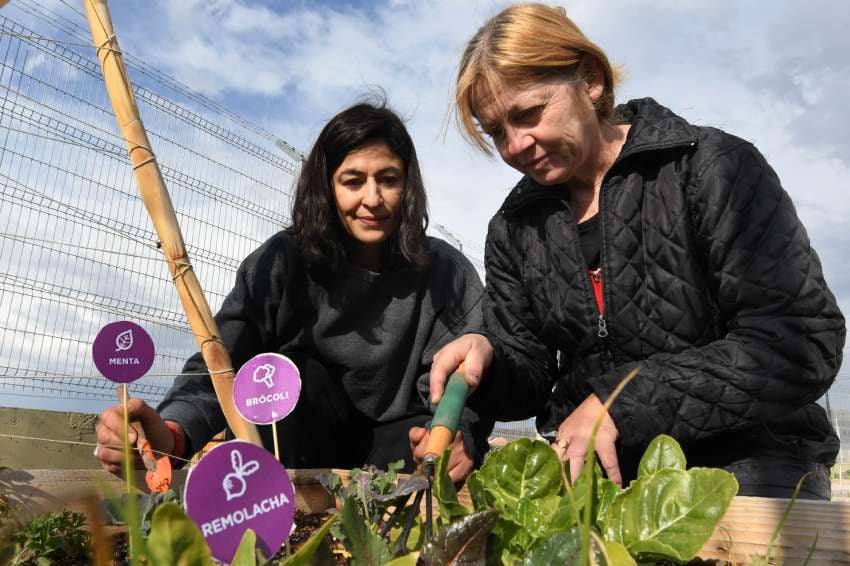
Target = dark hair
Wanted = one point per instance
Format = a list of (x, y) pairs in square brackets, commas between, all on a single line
[(315, 222)]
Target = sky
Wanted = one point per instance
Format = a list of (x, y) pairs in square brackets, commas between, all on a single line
[(774, 73)]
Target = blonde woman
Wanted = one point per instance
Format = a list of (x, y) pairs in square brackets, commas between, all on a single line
[(636, 239)]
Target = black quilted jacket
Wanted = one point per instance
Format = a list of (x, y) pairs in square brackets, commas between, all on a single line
[(710, 286)]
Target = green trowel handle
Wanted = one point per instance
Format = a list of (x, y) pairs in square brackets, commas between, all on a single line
[(447, 415)]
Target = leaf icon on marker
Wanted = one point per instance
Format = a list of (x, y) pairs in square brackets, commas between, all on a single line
[(124, 341)]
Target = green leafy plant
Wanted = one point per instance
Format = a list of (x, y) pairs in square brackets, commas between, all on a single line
[(163, 533), (55, 538), (667, 513), (175, 539), (526, 512), (373, 495), (116, 508)]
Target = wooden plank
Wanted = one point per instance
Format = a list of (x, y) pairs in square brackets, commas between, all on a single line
[(748, 525)]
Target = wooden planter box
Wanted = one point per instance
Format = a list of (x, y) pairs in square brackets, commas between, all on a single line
[(744, 531)]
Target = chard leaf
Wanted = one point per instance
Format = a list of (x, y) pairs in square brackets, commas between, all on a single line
[(480, 499), (565, 548), (523, 469), (175, 540), (617, 555), (671, 513), (461, 542), (535, 515), (246, 554), (604, 493), (663, 452), (557, 548), (522, 481), (565, 516), (307, 554), (508, 541), (367, 548), (445, 492)]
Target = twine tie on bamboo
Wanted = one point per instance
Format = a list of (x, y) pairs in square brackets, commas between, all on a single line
[(182, 266), (109, 39)]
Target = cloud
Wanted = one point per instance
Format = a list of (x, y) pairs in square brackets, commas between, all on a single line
[(775, 75)]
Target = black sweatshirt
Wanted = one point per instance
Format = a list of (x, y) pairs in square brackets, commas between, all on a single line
[(375, 332)]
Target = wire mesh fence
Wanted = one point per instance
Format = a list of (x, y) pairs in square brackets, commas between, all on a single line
[(76, 247)]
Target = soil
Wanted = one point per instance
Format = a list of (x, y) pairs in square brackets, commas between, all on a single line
[(121, 550), (305, 526)]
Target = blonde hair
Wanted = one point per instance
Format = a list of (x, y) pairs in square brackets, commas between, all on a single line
[(521, 45)]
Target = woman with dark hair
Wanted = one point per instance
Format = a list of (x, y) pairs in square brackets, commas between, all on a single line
[(357, 296), (638, 240)]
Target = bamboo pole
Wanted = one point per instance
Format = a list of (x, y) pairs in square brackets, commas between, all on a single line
[(158, 203)]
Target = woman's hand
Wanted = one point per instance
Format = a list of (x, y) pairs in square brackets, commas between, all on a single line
[(460, 462), (474, 350), (574, 435), (110, 434)]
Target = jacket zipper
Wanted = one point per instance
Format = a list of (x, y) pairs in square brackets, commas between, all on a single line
[(596, 284)]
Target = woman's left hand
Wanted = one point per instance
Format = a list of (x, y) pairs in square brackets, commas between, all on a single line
[(460, 462), (574, 437)]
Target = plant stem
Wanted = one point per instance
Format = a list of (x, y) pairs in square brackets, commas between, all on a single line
[(131, 509), (589, 463)]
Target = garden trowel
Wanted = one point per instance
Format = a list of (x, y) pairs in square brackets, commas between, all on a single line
[(443, 429), (441, 433)]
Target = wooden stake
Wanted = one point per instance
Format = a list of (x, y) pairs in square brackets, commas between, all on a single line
[(158, 203), (274, 437), (128, 459)]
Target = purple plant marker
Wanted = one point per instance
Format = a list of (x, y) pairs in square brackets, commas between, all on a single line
[(238, 486), (266, 388), (123, 351)]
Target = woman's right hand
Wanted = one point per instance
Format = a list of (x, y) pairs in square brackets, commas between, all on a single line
[(476, 353), (110, 434)]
